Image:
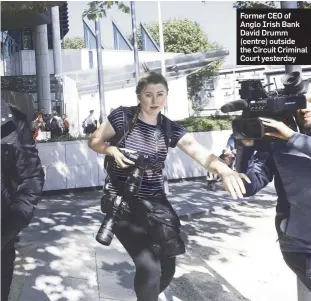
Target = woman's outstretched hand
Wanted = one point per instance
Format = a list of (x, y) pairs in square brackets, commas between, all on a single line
[(233, 182)]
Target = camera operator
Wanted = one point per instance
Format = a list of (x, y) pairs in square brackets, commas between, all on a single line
[(22, 180), (153, 272), (289, 164)]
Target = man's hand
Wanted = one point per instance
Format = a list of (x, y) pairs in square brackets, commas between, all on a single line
[(283, 131)]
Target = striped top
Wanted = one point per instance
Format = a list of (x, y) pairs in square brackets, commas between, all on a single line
[(142, 139)]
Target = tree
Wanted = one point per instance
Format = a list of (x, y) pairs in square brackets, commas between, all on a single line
[(185, 36), (98, 9), (95, 11), (73, 43), (14, 7), (267, 4)]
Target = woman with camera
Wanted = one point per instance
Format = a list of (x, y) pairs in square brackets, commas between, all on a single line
[(153, 271)]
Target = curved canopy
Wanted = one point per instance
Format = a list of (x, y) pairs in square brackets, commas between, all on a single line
[(122, 77)]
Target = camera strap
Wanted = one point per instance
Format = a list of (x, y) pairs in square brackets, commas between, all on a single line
[(157, 134), (123, 132)]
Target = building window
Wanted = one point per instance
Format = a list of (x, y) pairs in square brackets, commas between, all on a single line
[(27, 39)]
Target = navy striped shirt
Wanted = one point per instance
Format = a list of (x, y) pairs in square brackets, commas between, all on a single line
[(142, 139)]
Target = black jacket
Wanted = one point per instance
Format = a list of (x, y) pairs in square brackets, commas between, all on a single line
[(22, 176), (289, 164)]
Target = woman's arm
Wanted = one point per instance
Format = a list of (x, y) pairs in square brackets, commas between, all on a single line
[(232, 180), (189, 145), (97, 142)]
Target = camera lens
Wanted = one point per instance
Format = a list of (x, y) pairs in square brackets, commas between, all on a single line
[(106, 231), (251, 129), (248, 128), (133, 183), (293, 82)]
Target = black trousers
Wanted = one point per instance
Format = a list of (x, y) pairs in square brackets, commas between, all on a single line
[(90, 129), (300, 264), (153, 274), (7, 268)]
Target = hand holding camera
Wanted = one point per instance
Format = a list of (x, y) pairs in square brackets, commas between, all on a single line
[(283, 131), (280, 105), (118, 207), (121, 160)]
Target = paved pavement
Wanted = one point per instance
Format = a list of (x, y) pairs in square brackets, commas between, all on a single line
[(232, 253)]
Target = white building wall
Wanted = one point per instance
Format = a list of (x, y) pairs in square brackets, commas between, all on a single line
[(78, 59), (71, 59), (177, 101), (71, 164)]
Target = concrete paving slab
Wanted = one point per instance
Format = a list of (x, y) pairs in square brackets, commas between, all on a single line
[(115, 272), (232, 252)]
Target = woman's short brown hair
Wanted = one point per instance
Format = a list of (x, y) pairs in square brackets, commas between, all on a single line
[(151, 78)]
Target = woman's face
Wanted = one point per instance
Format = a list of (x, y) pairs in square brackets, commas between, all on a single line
[(152, 98)]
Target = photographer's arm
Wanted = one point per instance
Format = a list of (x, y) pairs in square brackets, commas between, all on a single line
[(232, 180), (258, 167), (97, 142)]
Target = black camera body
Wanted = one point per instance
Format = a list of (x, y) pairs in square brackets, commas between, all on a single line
[(119, 207), (255, 102)]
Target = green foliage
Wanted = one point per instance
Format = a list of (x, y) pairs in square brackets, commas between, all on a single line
[(98, 9), (184, 36), (73, 43), (267, 4), (13, 7), (304, 4), (254, 4), (207, 123)]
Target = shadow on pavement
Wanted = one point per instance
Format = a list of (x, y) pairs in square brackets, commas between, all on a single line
[(59, 258)]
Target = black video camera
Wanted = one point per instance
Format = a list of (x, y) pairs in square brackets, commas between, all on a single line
[(280, 104), (118, 208)]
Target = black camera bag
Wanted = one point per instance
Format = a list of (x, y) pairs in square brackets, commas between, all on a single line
[(161, 222)]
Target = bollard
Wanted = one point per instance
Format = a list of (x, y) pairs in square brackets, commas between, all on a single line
[(303, 293)]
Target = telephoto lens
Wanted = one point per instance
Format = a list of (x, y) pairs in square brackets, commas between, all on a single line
[(106, 231), (133, 182)]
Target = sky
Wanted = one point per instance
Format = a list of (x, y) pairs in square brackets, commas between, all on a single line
[(217, 19)]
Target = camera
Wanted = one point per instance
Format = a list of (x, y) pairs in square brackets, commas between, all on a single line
[(279, 104), (118, 207)]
